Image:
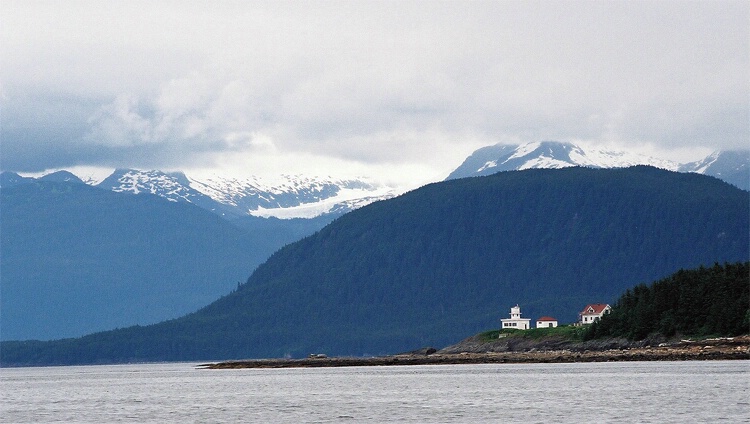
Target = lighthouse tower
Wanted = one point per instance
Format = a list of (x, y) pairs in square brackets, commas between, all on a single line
[(515, 321), (515, 312)]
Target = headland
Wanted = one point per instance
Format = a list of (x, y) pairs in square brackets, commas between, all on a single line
[(470, 351)]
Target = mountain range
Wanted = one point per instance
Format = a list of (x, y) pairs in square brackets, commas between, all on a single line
[(33, 229), (288, 196), (296, 196), (78, 258), (447, 260)]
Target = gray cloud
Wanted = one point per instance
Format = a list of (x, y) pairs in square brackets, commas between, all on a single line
[(173, 85)]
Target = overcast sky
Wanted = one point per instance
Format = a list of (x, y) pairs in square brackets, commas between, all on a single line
[(403, 90)]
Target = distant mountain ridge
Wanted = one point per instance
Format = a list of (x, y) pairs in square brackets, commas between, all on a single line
[(296, 196), (732, 166), (173, 186), (291, 196), (293, 192)]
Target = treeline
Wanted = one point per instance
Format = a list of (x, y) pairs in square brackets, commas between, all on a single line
[(711, 301)]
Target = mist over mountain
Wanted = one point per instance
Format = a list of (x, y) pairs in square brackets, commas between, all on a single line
[(9, 179), (445, 261)]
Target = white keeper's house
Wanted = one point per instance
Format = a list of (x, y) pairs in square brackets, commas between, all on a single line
[(593, 312), (515, 321)]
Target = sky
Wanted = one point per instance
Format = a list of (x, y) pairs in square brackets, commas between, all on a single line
[(401, 91)]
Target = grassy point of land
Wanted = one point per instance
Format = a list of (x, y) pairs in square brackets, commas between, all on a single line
[(567, 332)]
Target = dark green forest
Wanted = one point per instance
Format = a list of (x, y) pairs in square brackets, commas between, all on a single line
[(713, 301), (446, 261)]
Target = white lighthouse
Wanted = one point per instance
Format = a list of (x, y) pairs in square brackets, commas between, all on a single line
[(515, 321)]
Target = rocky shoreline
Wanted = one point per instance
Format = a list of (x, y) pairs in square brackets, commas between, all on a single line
[(467, 352)]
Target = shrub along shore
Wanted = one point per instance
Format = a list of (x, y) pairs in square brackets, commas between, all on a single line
[(550, 350)]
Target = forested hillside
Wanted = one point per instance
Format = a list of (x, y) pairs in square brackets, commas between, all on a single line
[(708, 301), (77, 259), (446, 261)]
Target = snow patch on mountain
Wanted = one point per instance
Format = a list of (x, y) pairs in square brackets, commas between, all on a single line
[(488, 165), (291, 196), (544, 162), (524, 150), (600, 158), (702, 166), (344, 201)]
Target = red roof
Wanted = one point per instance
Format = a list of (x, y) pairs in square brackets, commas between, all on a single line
[(546, 319), (597, 308)]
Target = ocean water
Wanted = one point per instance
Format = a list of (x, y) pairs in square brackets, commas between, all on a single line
[(619, 392)]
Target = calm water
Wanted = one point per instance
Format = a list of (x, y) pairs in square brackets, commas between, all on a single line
[(640, 392)]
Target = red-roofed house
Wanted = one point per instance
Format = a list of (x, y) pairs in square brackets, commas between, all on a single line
[(593, 312), (546, 322)]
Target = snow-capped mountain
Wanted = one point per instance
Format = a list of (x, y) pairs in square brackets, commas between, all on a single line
[(549, 154), (289, 197), (173, 186), (730, 166), (293, 196)]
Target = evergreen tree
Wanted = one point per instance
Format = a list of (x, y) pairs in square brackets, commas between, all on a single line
[(711, 301)]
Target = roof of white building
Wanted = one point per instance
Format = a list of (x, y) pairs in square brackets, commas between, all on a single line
[(594, 308)]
